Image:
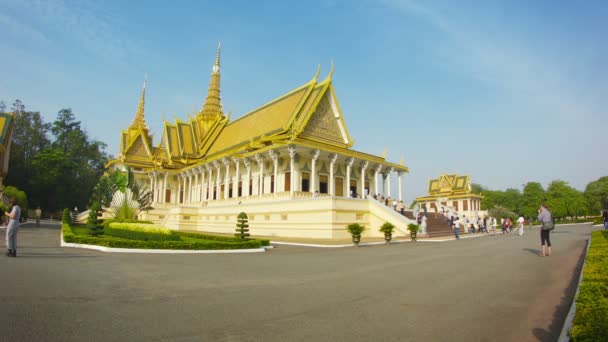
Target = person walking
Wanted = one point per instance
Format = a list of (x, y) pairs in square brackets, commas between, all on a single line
[(520, 225), (605, 217), (11, 229), (38, 213), (546, 225), (455, 225)]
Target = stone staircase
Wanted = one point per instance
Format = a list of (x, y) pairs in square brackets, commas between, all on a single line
[(436, 226)]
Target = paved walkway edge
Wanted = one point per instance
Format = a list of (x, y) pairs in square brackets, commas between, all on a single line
[(159, 251), (564, 336), (377, 243)]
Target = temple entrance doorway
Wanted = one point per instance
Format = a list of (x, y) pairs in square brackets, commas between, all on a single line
[(339, 186)]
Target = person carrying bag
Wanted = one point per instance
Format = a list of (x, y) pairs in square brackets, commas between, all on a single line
[(546, 221)]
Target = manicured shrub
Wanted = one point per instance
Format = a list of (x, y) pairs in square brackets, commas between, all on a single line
[(66, 218), (197, 241), (140, 231), (242, 227), (591, 319), (95, 228)]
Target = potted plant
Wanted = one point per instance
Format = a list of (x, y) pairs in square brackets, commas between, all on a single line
[(355, 230), (387, 228), (413, 228)]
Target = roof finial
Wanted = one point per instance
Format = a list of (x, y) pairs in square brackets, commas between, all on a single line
[(216, 66), (317, 73), (212, 108), (331, 72), (139, 120)]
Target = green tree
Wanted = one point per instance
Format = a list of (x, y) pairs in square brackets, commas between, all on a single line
[(87, 158), (564, 200), (596, 195), (532, 198), (19, 195), (30, 136)]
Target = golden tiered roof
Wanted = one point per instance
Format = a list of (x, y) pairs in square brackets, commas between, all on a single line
[(449, 186), (308, 115)]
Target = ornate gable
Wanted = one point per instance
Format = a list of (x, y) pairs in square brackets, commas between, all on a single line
[(324, 124), (138, 148)]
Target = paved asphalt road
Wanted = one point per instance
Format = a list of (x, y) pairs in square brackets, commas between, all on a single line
[(494, 288)]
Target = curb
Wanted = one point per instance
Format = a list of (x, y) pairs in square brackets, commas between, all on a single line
[(371, 243), (161, 251), (564, 336)]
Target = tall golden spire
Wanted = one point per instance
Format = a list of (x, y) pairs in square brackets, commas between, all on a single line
[(139, 120), (212, 108)]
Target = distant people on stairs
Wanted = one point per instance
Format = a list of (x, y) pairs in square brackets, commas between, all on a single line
[(455, 225)]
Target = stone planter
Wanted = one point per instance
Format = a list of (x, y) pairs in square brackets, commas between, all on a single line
[(356, 240), (388, 237), (413, 236)]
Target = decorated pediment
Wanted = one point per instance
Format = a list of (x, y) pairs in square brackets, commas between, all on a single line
[(449, 185), (326, 123)]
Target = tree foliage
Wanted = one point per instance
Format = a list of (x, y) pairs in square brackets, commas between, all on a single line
[(56, 163), (596, 195), (533, 196)]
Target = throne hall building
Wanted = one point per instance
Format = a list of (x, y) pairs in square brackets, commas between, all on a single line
[(288, 164)]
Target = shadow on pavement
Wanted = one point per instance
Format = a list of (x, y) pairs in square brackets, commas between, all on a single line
[(561, 310), (532, 250), (48, 255)]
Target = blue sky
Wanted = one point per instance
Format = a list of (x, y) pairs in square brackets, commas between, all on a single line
[(505, 91)]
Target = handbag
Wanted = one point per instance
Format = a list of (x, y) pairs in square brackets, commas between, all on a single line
[(548, 225)]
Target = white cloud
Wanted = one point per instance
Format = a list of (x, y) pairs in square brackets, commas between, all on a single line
[(500, 59), (82, 21)]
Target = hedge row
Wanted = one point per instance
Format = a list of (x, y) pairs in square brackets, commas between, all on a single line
[(140, 231), (591, 319), (111, 241)]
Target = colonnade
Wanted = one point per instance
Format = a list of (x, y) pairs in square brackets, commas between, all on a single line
[(232, 177)]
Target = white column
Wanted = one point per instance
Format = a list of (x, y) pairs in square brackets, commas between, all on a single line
[(210, 185), (363, 169), (332, 182), (292, 158), (151, 185), (275, 168), (388, 182), (260, 161), (196, 191), (235, 185), (185, 187), (313, 172), (189, 186), (179, 188), (151, 182), (218, 180), (376, 172), (165, 188), (247, 181), (202, 191), (400, 179), (154, 186), (226, 162), (349, 164)]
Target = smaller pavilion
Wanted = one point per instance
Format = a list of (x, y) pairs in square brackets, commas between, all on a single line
[(453, 192)]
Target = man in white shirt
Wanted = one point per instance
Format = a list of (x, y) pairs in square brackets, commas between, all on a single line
[(520, 225)]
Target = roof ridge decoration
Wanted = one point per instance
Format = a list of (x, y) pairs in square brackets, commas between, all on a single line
[(212, 108), (139, 121)]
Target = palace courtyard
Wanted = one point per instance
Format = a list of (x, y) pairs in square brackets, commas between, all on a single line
[(493, 288)]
